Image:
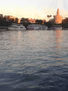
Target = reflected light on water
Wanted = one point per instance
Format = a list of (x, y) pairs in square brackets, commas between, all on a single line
[(16, 37), (59, 38), (19, 35), (32, 63)]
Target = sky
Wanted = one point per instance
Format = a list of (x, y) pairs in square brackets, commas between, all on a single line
[(33, 8)]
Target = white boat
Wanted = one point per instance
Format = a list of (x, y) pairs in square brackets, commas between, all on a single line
[(36, 27), (16, 27), (55, 27), (44, 27)]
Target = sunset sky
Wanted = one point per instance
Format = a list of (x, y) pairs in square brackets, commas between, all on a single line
[(32, 8)]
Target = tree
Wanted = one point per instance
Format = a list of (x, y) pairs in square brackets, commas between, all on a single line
[(39, 21), (25, 21), (65, 23)]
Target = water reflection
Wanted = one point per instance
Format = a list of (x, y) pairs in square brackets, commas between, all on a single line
[(19, 35), (32, 62), (59, 51), (59, 35)]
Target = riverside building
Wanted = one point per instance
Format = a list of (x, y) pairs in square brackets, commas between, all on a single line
[(58, 18)]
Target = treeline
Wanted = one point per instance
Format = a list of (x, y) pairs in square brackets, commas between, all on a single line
[(4, 22), (8, 20), (26, 21), (65, 23), (51, 23)]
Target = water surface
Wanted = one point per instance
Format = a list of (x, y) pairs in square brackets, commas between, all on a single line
[(34, 60)]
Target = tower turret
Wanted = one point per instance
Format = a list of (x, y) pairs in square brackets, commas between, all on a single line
[(58, 17), (58, 12)]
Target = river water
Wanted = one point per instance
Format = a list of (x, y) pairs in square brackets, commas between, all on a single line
[(34, 60)]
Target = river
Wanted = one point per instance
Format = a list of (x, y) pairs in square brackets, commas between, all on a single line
[(34, 60)]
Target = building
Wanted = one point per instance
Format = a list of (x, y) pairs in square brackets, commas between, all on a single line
[(58, 18), (32, 20)]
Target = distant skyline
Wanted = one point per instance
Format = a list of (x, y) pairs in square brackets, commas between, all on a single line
[(33, 8)]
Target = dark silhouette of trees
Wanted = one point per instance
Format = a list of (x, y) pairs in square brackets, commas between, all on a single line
[(4, 22), (16, 20), (25, 21), (50, 23), (65, 23), (39, 21)]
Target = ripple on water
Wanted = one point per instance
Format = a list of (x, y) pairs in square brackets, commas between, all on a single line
[(33, 61)]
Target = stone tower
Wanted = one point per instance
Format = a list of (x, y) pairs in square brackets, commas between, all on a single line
[(58, 18)]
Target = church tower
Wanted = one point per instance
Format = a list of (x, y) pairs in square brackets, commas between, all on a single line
[(58, 17)]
